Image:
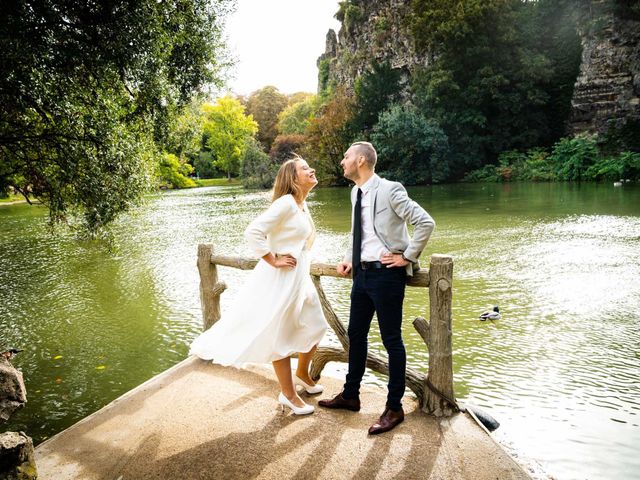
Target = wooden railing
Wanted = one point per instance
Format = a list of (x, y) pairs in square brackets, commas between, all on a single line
[(434, 391)]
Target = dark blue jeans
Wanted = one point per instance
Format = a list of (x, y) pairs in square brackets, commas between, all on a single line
[(380, 291)]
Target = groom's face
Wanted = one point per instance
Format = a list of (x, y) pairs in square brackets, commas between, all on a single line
[(350, 163)]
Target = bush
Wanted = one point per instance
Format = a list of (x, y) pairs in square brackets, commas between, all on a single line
[(173, 172), (530, 165), (487, 173), (623, 166), (572, 157), (411, 148)]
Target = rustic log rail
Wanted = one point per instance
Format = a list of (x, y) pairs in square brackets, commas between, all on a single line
[(434, 391)]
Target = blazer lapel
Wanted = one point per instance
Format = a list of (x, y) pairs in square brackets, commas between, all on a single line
[(374, 196)]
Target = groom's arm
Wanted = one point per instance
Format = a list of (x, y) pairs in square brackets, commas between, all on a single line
[(415, 215)]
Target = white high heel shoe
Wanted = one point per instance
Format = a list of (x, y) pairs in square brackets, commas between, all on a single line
[(308, 388), (284, 401)]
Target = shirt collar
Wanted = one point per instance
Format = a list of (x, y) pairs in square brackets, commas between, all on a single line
[(368, 184)]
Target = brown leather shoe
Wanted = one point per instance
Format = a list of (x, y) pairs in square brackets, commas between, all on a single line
[(340, 402), (388, 420)]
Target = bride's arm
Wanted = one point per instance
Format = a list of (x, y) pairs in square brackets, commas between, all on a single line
[(257, 231)]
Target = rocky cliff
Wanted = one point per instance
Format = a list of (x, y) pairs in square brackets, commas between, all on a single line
[(373, 30), (607, 90)]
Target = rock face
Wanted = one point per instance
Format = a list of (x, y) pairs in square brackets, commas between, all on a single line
[(372, 30), (13, 394), (607, 91), (17, 457)]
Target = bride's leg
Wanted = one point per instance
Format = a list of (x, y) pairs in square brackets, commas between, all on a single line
[(283, 372), (304, 360)]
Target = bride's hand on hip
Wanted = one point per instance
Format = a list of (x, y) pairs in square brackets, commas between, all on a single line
[(284, 261)]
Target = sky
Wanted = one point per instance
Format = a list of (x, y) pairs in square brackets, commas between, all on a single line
[(277, 42)]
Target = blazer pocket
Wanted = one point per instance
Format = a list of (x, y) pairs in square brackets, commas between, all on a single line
[(380, 211)]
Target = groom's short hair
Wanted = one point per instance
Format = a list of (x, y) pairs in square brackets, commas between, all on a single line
[(367, 151)]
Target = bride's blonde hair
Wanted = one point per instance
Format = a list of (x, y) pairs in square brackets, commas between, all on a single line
[(287, 180)]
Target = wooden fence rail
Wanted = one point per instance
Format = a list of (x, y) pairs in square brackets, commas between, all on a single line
[(434, 391)]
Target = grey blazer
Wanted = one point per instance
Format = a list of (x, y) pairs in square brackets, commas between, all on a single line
[(392, 209)]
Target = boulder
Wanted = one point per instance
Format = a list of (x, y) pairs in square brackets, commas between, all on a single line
[(13, 394), (17, 457)]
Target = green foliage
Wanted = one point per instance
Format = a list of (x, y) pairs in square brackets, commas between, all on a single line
[(323, 74), (487, 173), (173, 173), (184, 134), (532, 165), (374, 91), (571, 157), (296, 117), (349, 13), (625, 165), (88, 90), (204, 165), (265, 105), (258, 171), (226, 130), (502, 75), (352, 15), (410, 148)]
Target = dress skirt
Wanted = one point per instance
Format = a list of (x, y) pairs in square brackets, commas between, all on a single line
[(276, 313)]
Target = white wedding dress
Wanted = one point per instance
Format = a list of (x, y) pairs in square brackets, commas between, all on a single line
[(277, 312)]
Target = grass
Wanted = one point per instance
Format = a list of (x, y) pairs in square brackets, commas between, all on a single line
[(217, 182)]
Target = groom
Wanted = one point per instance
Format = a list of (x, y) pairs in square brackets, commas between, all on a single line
[(381, 257)]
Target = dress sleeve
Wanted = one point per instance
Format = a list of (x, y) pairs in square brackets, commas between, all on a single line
[(257, 231)]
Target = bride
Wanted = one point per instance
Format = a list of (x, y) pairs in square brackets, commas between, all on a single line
[(277, 312)]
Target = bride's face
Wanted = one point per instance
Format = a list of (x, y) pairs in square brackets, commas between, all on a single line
[(306, 176)]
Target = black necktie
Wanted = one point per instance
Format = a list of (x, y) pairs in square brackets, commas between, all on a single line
[(357, 231)]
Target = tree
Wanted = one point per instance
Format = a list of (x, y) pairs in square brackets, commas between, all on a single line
[(411, 149), (488, 85), (374, 91), (184, 135), (329, 135), (87, 91), (258, 171), (295, 118), (227, 129), (285, 146), (265, 105)]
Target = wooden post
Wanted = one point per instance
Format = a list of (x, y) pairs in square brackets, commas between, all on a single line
[(210, 287), (440, 373)]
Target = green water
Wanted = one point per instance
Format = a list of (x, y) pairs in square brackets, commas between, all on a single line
[(559, 370)]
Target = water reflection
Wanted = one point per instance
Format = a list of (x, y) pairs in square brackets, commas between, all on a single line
[(562, 261)]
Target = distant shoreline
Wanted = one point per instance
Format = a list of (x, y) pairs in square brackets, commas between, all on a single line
[(16, 202)]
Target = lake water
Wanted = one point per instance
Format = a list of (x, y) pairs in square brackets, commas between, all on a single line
[(559, 370)]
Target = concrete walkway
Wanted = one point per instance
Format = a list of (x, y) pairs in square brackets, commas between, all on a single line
[(202, 421)]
